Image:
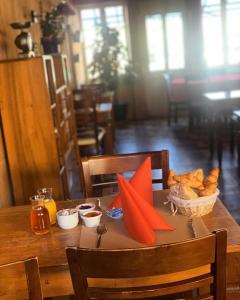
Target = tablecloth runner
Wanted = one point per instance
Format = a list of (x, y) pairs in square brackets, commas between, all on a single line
[(117, 236)]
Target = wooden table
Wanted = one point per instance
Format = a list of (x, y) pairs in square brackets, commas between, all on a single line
[(219, 107), (18, 242)]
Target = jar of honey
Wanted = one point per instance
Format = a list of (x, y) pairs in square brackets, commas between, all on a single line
[(40, 222), (50, 204)]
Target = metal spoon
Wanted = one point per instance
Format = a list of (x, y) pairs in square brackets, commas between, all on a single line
[(101, 229)]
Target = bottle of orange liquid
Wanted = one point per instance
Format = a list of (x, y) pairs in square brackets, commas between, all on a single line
[(50, 204), (40, 221)]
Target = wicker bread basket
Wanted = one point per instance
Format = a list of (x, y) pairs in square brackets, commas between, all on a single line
[(193, 208)]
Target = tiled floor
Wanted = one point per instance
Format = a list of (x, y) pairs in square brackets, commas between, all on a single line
[(187, 150)]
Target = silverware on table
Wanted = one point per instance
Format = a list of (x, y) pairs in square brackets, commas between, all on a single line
[(101, 229), (98, 204)]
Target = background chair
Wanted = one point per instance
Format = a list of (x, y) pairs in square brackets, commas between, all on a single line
[(28, 277), (120, 163), (90, 134), (104, 100), (147, 263), (176, 96)]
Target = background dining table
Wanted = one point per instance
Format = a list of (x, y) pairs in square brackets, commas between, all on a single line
[(219, 106), (19, 242)]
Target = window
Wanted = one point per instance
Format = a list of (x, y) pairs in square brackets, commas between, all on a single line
[(213, 52), (163, 56), (92, 18), (221, 21), (154, 28), (233, 31), (175, 44), (115, 19)]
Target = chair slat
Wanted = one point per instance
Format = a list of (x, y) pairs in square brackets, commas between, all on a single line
[(150, 291)]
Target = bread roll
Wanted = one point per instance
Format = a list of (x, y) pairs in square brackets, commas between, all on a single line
[(212, 177), (183, 191), (171, 180), (209, 190)]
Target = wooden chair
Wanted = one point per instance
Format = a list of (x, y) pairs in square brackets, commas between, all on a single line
[(90, 134), (104, 102), (121, 163), (177, 100), (167, 270), (27, 274)]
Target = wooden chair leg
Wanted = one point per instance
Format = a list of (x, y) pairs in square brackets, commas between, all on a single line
[(191, 116), (175, 113), (108, 140), (238, 147), (219, 143), (211, 139), (169, 114), (232, 137)]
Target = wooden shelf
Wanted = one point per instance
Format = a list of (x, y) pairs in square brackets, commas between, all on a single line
[(39, 132)]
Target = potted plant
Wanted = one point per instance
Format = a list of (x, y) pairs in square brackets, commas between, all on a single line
[(53, 27), (112, 68)]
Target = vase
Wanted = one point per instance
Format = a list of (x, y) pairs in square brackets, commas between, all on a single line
[(49, 46), (120, 111)]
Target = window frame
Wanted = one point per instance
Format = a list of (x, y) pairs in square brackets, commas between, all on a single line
[(165, 46), (102, 6), (223, 20)]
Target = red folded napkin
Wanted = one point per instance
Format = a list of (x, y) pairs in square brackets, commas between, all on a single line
[(140, 218), (141, 181)]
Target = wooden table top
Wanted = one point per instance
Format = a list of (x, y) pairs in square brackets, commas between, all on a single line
[(222, 95), (19, 242), (222, 101)]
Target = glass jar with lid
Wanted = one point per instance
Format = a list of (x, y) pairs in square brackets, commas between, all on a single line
[(50, 204)]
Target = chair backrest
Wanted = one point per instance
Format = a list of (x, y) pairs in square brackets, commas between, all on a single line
[(156, 266), (27, 278), (98, 87), (85, 112), (167, 81), (121, 163), (176, 89), (84, 105)]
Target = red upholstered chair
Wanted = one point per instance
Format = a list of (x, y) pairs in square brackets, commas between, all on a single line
[(176, 96)]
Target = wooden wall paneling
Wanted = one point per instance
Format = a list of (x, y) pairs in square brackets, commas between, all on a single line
[(28, 129), (5, 186)]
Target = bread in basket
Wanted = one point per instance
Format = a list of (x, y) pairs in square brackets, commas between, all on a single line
[(191, 194)]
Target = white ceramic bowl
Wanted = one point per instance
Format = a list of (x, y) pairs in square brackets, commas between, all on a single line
[(85, 207), (91, 221), (67, 221)]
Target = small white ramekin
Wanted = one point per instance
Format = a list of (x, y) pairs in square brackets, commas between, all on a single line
[(67, 221), (91, 221), (82, 211)]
